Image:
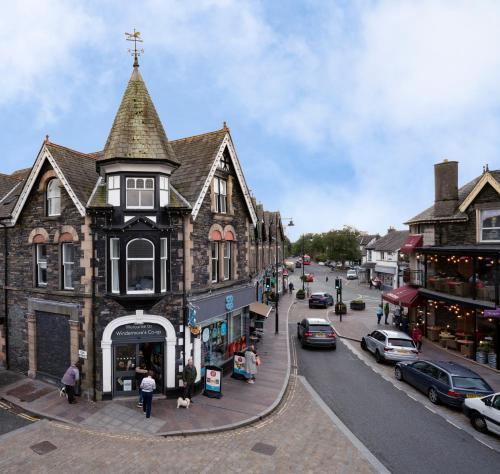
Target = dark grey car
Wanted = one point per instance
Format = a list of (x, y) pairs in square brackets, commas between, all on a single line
[(316, 332)]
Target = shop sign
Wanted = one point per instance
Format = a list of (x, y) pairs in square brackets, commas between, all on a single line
[(239, 371), (82, 354), (492, 313), (127, 385), (213, 381), (205, 335), (144, 331), (229, 302)]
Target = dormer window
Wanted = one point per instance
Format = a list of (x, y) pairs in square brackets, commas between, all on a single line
[(54, 197), (140, 193), (220, 195)]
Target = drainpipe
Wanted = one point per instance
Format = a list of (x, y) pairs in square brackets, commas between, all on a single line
[(93, 263), (6, 319)]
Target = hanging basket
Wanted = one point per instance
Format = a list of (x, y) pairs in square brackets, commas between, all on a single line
[(195, 330)]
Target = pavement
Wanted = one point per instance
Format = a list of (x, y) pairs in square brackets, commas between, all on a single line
[(241, 403)]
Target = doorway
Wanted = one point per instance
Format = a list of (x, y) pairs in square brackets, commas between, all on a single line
[(128, 356)]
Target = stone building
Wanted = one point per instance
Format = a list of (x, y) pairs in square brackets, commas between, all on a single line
[(141, 253)]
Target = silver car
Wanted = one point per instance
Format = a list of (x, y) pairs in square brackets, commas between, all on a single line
[(390, 345)]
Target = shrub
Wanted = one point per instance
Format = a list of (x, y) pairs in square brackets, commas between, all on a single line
[(301, 294)]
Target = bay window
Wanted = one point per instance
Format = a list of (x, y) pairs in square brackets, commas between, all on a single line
[(114, 190), (215, 261), (140, 266), (140, 193), (163, 263), (220, 195), (41, 265), (54, 197), (163, 191), (114, 255), (489, 221), (68, 263)]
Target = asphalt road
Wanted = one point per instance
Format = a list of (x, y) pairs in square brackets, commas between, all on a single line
[(10, 422), (400, 432)]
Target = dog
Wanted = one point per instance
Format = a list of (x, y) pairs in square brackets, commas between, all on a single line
[(183, 402), (62, 392)]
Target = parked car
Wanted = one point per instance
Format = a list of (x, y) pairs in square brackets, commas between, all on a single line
[(320, 299), (309, 277), (298, 264), (316, 332), (352, 275), (446, 382), (321, 263), (484, 413), (390, 345)]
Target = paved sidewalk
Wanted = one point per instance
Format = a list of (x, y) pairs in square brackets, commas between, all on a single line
[(357, 324), (241, 403)]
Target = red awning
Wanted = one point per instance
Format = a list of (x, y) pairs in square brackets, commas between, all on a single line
[(405, 296), (411, 243)]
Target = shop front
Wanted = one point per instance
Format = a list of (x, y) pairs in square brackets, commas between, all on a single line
[(386, 275)]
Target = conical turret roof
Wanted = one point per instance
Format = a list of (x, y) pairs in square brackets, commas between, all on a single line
[(137, 131)]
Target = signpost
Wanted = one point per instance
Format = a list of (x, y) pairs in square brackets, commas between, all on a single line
[(213, 381)]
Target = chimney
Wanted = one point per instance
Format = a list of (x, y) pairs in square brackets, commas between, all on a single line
[(446, 188), (390, 229)]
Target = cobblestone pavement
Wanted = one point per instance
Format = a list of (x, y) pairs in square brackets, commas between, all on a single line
[(297, 437)]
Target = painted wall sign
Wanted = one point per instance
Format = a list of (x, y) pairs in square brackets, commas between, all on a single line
[(229, 302), (144, 332)]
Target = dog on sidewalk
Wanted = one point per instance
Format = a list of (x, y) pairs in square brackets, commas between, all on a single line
[(183, 402)]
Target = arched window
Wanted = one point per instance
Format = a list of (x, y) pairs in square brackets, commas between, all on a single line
[(54, 197), (140, 266)]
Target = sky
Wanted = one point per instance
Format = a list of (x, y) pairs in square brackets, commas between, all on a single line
[(338, 109)]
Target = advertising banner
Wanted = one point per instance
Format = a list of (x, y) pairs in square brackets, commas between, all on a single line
[(239, 371), (213, 381)]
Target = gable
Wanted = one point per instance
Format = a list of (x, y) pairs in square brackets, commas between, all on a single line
[(486, 180)]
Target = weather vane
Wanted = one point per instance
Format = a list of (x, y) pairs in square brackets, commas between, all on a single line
[(135, 37)]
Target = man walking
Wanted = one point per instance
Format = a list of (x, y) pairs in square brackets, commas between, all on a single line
[(386, 312), (189, 377), (70, 378), (148, 386)]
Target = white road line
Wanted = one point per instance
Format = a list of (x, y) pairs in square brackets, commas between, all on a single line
[(453, 424), (482, 442)]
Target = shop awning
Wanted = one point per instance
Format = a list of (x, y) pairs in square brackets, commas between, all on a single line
[(405, 296), (385, 269), (411, 243), (260, 309)]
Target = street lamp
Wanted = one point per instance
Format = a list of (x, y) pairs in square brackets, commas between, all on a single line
[(277, 297)]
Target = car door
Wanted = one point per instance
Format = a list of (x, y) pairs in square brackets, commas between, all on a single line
[(301, 327), (428, 378), (380, 343), (492, 415), (415, 373), (443, 381), (371, 340)]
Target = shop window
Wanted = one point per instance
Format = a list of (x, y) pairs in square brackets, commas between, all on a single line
[(54, 197), (228, 261), (214, 258), (490, 225), (114, 190), (140, 193), (236, 329), (114, 255), (214, 342), (163, 191), (163, 263), (41, 264), (140, 266), (220, 195), (68, 263)]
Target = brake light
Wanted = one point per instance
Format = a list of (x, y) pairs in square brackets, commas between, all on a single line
[(452, 393), (331, 334), (387, 349), (308, 333)]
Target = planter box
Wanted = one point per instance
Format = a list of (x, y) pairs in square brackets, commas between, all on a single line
[(340, 308), (357, 306), (300, 296)]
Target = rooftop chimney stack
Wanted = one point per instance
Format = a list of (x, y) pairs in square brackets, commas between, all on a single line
[(446, 188)]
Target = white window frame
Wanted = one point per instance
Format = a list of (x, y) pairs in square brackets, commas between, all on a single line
[(163, 264), (227, 260), (114, 265), (220, 195), (164, 191), (152, 260), (41, 264), (481, 228), (214, 245), (53, 196), (148, 178), (114, 190), (67, 265)]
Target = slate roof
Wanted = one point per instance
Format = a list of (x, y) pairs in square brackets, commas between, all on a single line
[(196, 155), (137, 131), (390, 242), (12, 185), (7, 182), (463, 192), (366, 239)]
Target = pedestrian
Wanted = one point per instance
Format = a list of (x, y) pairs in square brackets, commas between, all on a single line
[(417, 337), (371, 283), (70, 379), (397, 316), (189, 375), (140, 373), (250, 364), (380, 312), (148, 386), (290, 287), (327, 278), (386, 312)]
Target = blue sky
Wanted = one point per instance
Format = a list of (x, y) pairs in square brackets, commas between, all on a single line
[(338, 109)]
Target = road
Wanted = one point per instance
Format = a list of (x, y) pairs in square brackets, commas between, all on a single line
[(401, 432)]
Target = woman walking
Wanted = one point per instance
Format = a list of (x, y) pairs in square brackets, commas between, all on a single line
[(380, 312), (250, 364)]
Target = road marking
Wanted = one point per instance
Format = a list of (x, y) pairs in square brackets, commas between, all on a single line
[(482, 442), (4, 406), (454, 424), (369, 456), (27, 417)]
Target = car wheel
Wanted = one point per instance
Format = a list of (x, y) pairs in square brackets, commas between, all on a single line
[(363, 345), (433, 396), (378, 357), (398, 373), (479, 423)]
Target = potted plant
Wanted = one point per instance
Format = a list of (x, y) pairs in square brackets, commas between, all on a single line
[(340, 308), (300, 294), (482, 352), (357, 305)]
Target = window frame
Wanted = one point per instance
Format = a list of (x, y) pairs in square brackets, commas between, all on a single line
[(220, 197), (164, 264), (113, 189), (214, 245), (481, 228), (141, 190), (114, 261), (41, 264), (227, 260), (163, 188), (65, 265), (152, 260), (51, 199)]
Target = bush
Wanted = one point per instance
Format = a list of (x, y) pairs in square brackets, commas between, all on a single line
[(300, 295)]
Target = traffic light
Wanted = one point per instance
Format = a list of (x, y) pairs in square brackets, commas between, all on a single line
[(267, 283), (338, 283)]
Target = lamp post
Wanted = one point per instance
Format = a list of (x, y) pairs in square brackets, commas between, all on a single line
[(277, 297), (303, 252)]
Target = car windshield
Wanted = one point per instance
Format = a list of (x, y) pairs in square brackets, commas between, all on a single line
[(470, 383), (317, 296), (322, 328), (401, 343)]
